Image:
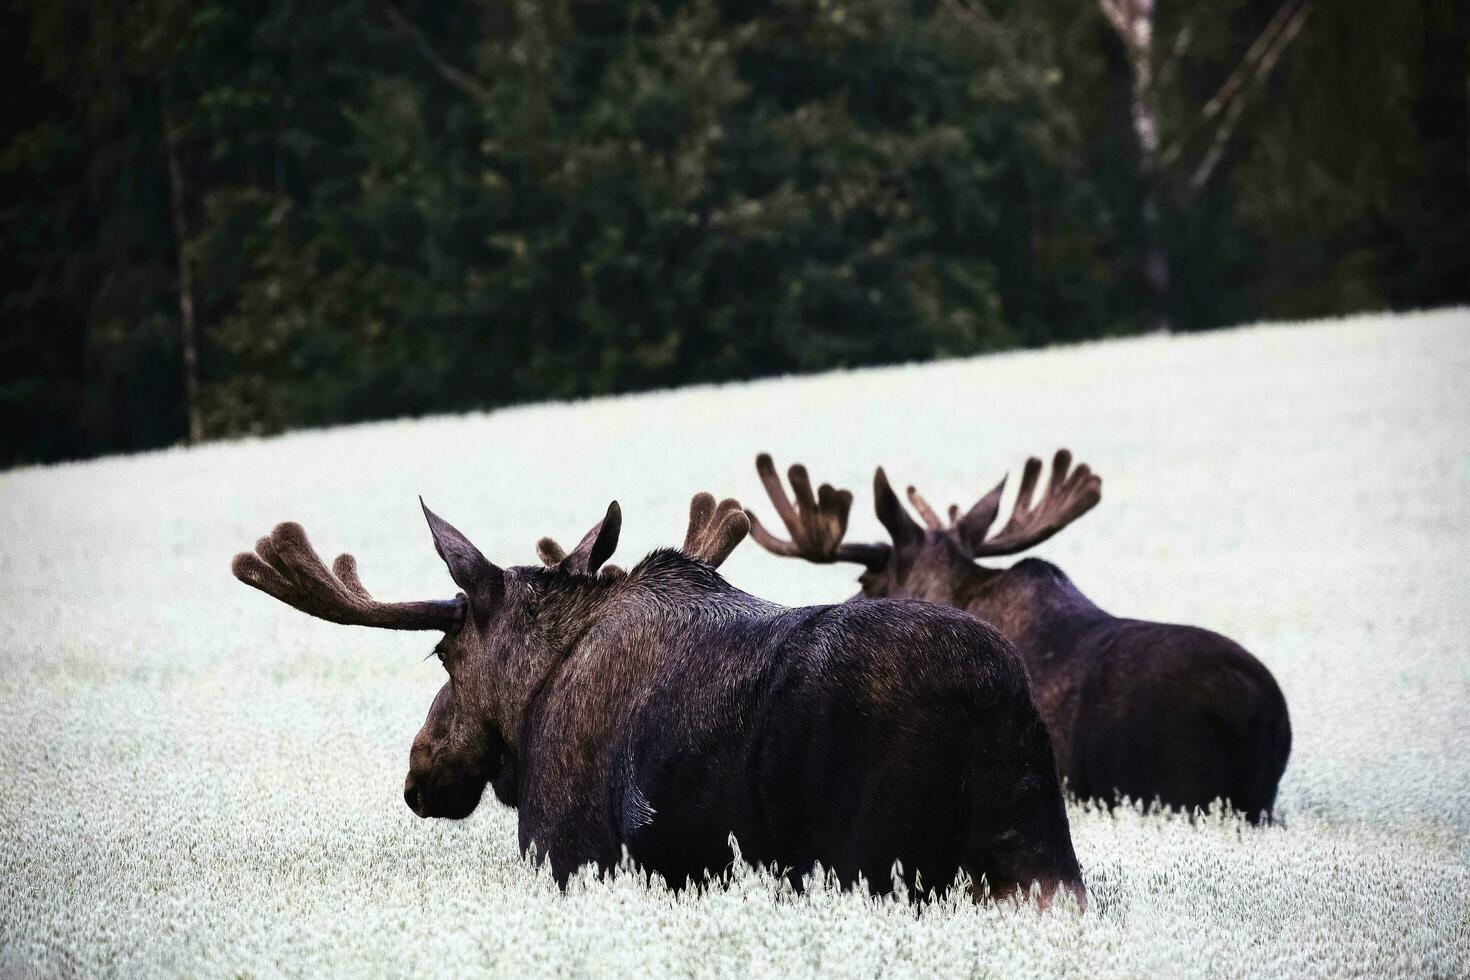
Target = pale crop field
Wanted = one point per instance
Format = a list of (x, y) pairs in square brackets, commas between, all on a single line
[(199, 781)]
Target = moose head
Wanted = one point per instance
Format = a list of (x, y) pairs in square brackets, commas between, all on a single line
[(935, 561), (503, 632)]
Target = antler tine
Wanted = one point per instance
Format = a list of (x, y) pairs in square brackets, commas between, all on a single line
[(701, 509), (768, 541), (550, 553), (1067, 498), (345, 568), (766, 467), (816, 523), (286, 567), (714, 530), (925, 511)]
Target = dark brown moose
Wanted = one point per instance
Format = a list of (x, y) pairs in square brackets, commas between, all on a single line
[(662, 710), (1149, 711)]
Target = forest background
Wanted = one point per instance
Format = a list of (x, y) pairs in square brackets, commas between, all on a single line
[(225, 218)]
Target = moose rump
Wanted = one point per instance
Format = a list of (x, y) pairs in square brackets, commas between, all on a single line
[(1176, 714), (852, 737)]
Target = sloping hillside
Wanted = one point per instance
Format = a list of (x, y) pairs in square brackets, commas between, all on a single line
[(203, 782)]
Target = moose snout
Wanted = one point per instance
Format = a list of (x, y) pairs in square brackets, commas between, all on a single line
[(413, 795)]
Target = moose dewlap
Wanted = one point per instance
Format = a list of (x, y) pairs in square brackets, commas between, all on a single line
[(662, 710)]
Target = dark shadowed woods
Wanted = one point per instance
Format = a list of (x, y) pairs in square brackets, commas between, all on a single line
[(224, 218)]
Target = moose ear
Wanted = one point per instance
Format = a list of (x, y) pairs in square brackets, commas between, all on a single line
[(976, 523), (906, 534), (471, 571), (597, 545)]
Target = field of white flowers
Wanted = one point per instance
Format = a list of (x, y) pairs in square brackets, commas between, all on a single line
[(199, 781)]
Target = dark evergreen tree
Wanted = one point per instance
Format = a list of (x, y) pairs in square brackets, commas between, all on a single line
[(366, 209)]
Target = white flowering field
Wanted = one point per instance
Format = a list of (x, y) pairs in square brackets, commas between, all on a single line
[(199, 781)]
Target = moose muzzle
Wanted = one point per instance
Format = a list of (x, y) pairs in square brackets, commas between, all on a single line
[(413, 795)]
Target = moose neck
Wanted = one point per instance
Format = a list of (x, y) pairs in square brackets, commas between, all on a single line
[(945, 576), (1029, 596), (577, 615), (549, 626)]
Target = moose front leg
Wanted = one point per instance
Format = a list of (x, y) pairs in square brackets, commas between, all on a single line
[(572, 841)]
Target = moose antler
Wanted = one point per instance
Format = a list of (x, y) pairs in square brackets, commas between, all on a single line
[(927, 513), (714, 530), (1068, 496), (930, 517), (286, 567), (816, 523)]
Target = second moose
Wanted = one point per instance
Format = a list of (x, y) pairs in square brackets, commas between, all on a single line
[(1149, 711)]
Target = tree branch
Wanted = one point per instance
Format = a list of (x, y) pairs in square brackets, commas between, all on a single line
[(1267, 63), (984, 26), (1170, 65), (1249, 72), (461, 80), (1247, 67), (1118, 15)]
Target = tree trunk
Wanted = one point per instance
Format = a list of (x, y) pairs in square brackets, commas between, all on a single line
[(1138, 41), (1155, 261), (186, 282)]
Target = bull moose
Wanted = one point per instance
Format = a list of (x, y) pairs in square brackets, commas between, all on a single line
[(662, 710), (1149, 711)]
